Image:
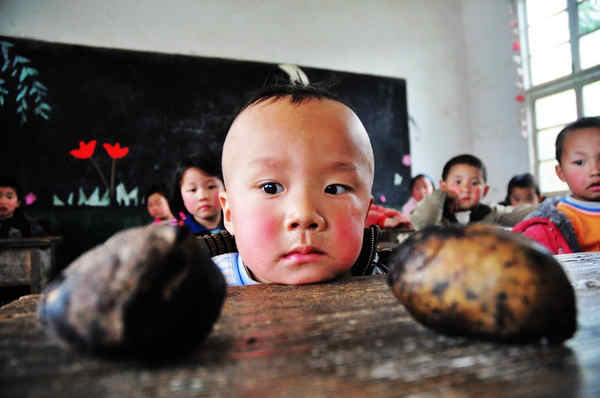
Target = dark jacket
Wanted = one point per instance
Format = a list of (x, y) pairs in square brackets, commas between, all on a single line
[(19, 226)]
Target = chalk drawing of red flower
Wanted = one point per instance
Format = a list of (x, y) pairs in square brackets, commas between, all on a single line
[(85, 151), (115, 151)]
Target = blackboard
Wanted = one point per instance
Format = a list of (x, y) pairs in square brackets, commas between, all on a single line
[(160, 107)]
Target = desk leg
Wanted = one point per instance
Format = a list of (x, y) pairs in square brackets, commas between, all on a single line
[(36, 271)]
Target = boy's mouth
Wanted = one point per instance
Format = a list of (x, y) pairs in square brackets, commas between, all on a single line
[(595, 187), (303, 254)]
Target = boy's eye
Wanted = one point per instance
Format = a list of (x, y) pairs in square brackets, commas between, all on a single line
[(272, 188), (211, 186), (336, 189), (578, 162)]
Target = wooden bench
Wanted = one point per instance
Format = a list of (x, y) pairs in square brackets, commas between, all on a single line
[(28, 261)]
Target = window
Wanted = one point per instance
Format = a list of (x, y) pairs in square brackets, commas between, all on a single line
[(560, 45)]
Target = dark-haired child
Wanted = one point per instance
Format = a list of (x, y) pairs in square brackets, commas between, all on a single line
[(13, 221), (158, 205), (462, 187), (571, 223), (195, 194), (522, 189), (421, 185)]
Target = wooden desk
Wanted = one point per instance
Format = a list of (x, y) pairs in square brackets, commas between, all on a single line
[(28, 261), (343, 339)]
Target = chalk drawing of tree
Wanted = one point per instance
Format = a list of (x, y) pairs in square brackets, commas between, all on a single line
[(20, 87)]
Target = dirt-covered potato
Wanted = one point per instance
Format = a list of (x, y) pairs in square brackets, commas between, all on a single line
[(484, 282), (147, 291)]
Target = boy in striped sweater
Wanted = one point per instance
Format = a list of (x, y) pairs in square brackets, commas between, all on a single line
[(571, 223)]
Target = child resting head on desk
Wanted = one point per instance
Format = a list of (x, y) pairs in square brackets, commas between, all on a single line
[(298, 170)]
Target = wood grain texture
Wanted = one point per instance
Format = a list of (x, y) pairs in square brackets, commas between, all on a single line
[(347, 338)]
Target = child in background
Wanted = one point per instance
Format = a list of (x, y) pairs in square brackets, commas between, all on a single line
[(522, 189), (572, 223), (298, 170), (195, 194), (421, 185), (462, 187), (13, 221), (158, 205)]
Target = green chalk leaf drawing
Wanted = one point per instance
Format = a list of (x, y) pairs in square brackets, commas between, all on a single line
[(18, 76), (124, 197)]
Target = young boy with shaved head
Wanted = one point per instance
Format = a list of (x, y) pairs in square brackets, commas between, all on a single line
[(298, 171)]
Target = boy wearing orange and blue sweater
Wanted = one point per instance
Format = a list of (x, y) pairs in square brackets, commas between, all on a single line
[(571, 223)]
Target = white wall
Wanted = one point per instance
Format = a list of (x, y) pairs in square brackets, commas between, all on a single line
[(454, 54), (491, 87)]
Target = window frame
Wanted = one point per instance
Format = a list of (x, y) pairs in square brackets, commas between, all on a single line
[(576, 80)]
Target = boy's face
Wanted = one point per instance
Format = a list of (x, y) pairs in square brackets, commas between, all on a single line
[(8, 201), (158, 207), (298, 183), (580, 163), (523, 195), (421, 189), (200, 194), (468, 184)]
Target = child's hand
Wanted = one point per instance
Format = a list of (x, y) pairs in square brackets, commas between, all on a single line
[(452, 198)]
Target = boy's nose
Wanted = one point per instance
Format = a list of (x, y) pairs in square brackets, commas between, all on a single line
[(304, 216)]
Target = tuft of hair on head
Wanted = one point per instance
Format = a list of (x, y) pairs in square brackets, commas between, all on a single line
[(297, 93), (11, 182), (582, 123), (466, 158), (416, 178), (525, 180), (207, 161)]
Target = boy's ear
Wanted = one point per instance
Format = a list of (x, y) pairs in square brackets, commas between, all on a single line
[(485, 190), (559, 172), (226, 212)]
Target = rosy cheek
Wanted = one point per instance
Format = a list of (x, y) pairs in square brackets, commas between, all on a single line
[(215, 199), (257, 236), (578, 179), (266, 227), (347, 240)]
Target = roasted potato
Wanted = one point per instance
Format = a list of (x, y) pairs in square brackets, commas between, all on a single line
[(481, 281), (147, 291)]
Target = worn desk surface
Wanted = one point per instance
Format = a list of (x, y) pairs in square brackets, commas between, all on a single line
[(344, 339)]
